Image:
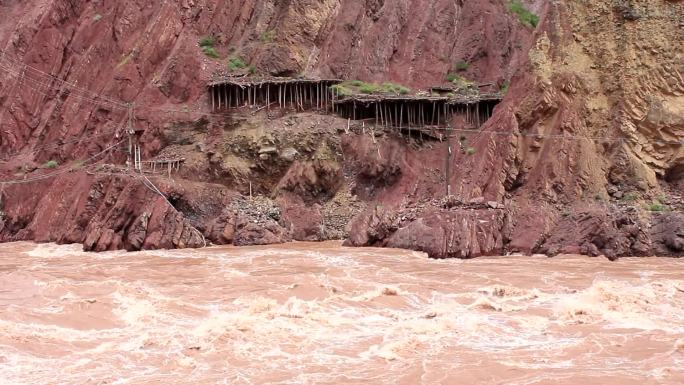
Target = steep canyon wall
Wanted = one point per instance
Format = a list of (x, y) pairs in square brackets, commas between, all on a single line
[(585, 144)]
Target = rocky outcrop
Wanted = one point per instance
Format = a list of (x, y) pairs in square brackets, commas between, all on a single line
[(103, 213)]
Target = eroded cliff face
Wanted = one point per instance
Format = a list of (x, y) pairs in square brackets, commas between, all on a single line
[(588, 134)]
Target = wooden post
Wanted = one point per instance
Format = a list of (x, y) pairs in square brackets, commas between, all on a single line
[(376, 115), (377, 106), (401, 115)]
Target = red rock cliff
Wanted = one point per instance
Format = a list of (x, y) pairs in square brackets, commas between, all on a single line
[(583, 155)]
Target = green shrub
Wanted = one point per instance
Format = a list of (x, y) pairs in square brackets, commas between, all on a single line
[(268, 36), (356, 83), (210, 52), (395, 88), (630, 196), (451, 77), (252, 70), (526, 17), (461, 66), (504, 87), (459, 81), (51, 164), (207, 41), (656, 207), (369, 88), (339, 89), (235, 63)]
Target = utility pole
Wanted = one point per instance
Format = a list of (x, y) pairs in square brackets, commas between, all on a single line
[(448, 162), (133, 145), (129, 131)]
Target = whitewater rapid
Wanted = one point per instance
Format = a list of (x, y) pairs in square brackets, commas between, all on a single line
[(323, 314)]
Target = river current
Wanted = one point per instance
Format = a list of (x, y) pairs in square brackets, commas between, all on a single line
[(324, 314)]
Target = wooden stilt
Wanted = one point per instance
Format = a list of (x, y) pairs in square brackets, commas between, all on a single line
[(376, 114), (401, 115)]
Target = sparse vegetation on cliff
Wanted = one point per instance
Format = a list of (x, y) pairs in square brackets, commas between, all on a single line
[(504, 87), (207, 46), (360, 87), (51, 164), (268, 36), (340, 89), (461, 66), (524, 15), (236, 63), (656, 207), (460, 82)]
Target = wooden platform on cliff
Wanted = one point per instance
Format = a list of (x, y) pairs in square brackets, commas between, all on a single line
[(246, 81), (388, 105), (456, 99), (417, 111), (296, 93)]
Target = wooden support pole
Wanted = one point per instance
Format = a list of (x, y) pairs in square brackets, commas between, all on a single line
[(211, 92), (377, 115), (433, 113), (401, 115), (409, 113)]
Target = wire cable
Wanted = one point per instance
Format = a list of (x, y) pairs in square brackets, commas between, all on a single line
[(60, 172)]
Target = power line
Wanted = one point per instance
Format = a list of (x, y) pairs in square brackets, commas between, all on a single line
[(555, 136), (49, 76), (69, 169), (39, 85), (56, 145)]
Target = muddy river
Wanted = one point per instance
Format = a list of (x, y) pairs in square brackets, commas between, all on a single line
[(323, 314)]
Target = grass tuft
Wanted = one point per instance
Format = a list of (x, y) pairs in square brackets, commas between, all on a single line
[(526, 17), (210, 52), (339, 89), (236, 63), (51, 164), (207, 41), (207, 45), (268, 36), (461, 66), (656, 207)]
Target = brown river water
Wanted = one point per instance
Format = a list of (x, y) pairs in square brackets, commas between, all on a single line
[(323, 314)]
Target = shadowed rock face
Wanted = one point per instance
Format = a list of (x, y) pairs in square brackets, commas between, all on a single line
[(591, 72)]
